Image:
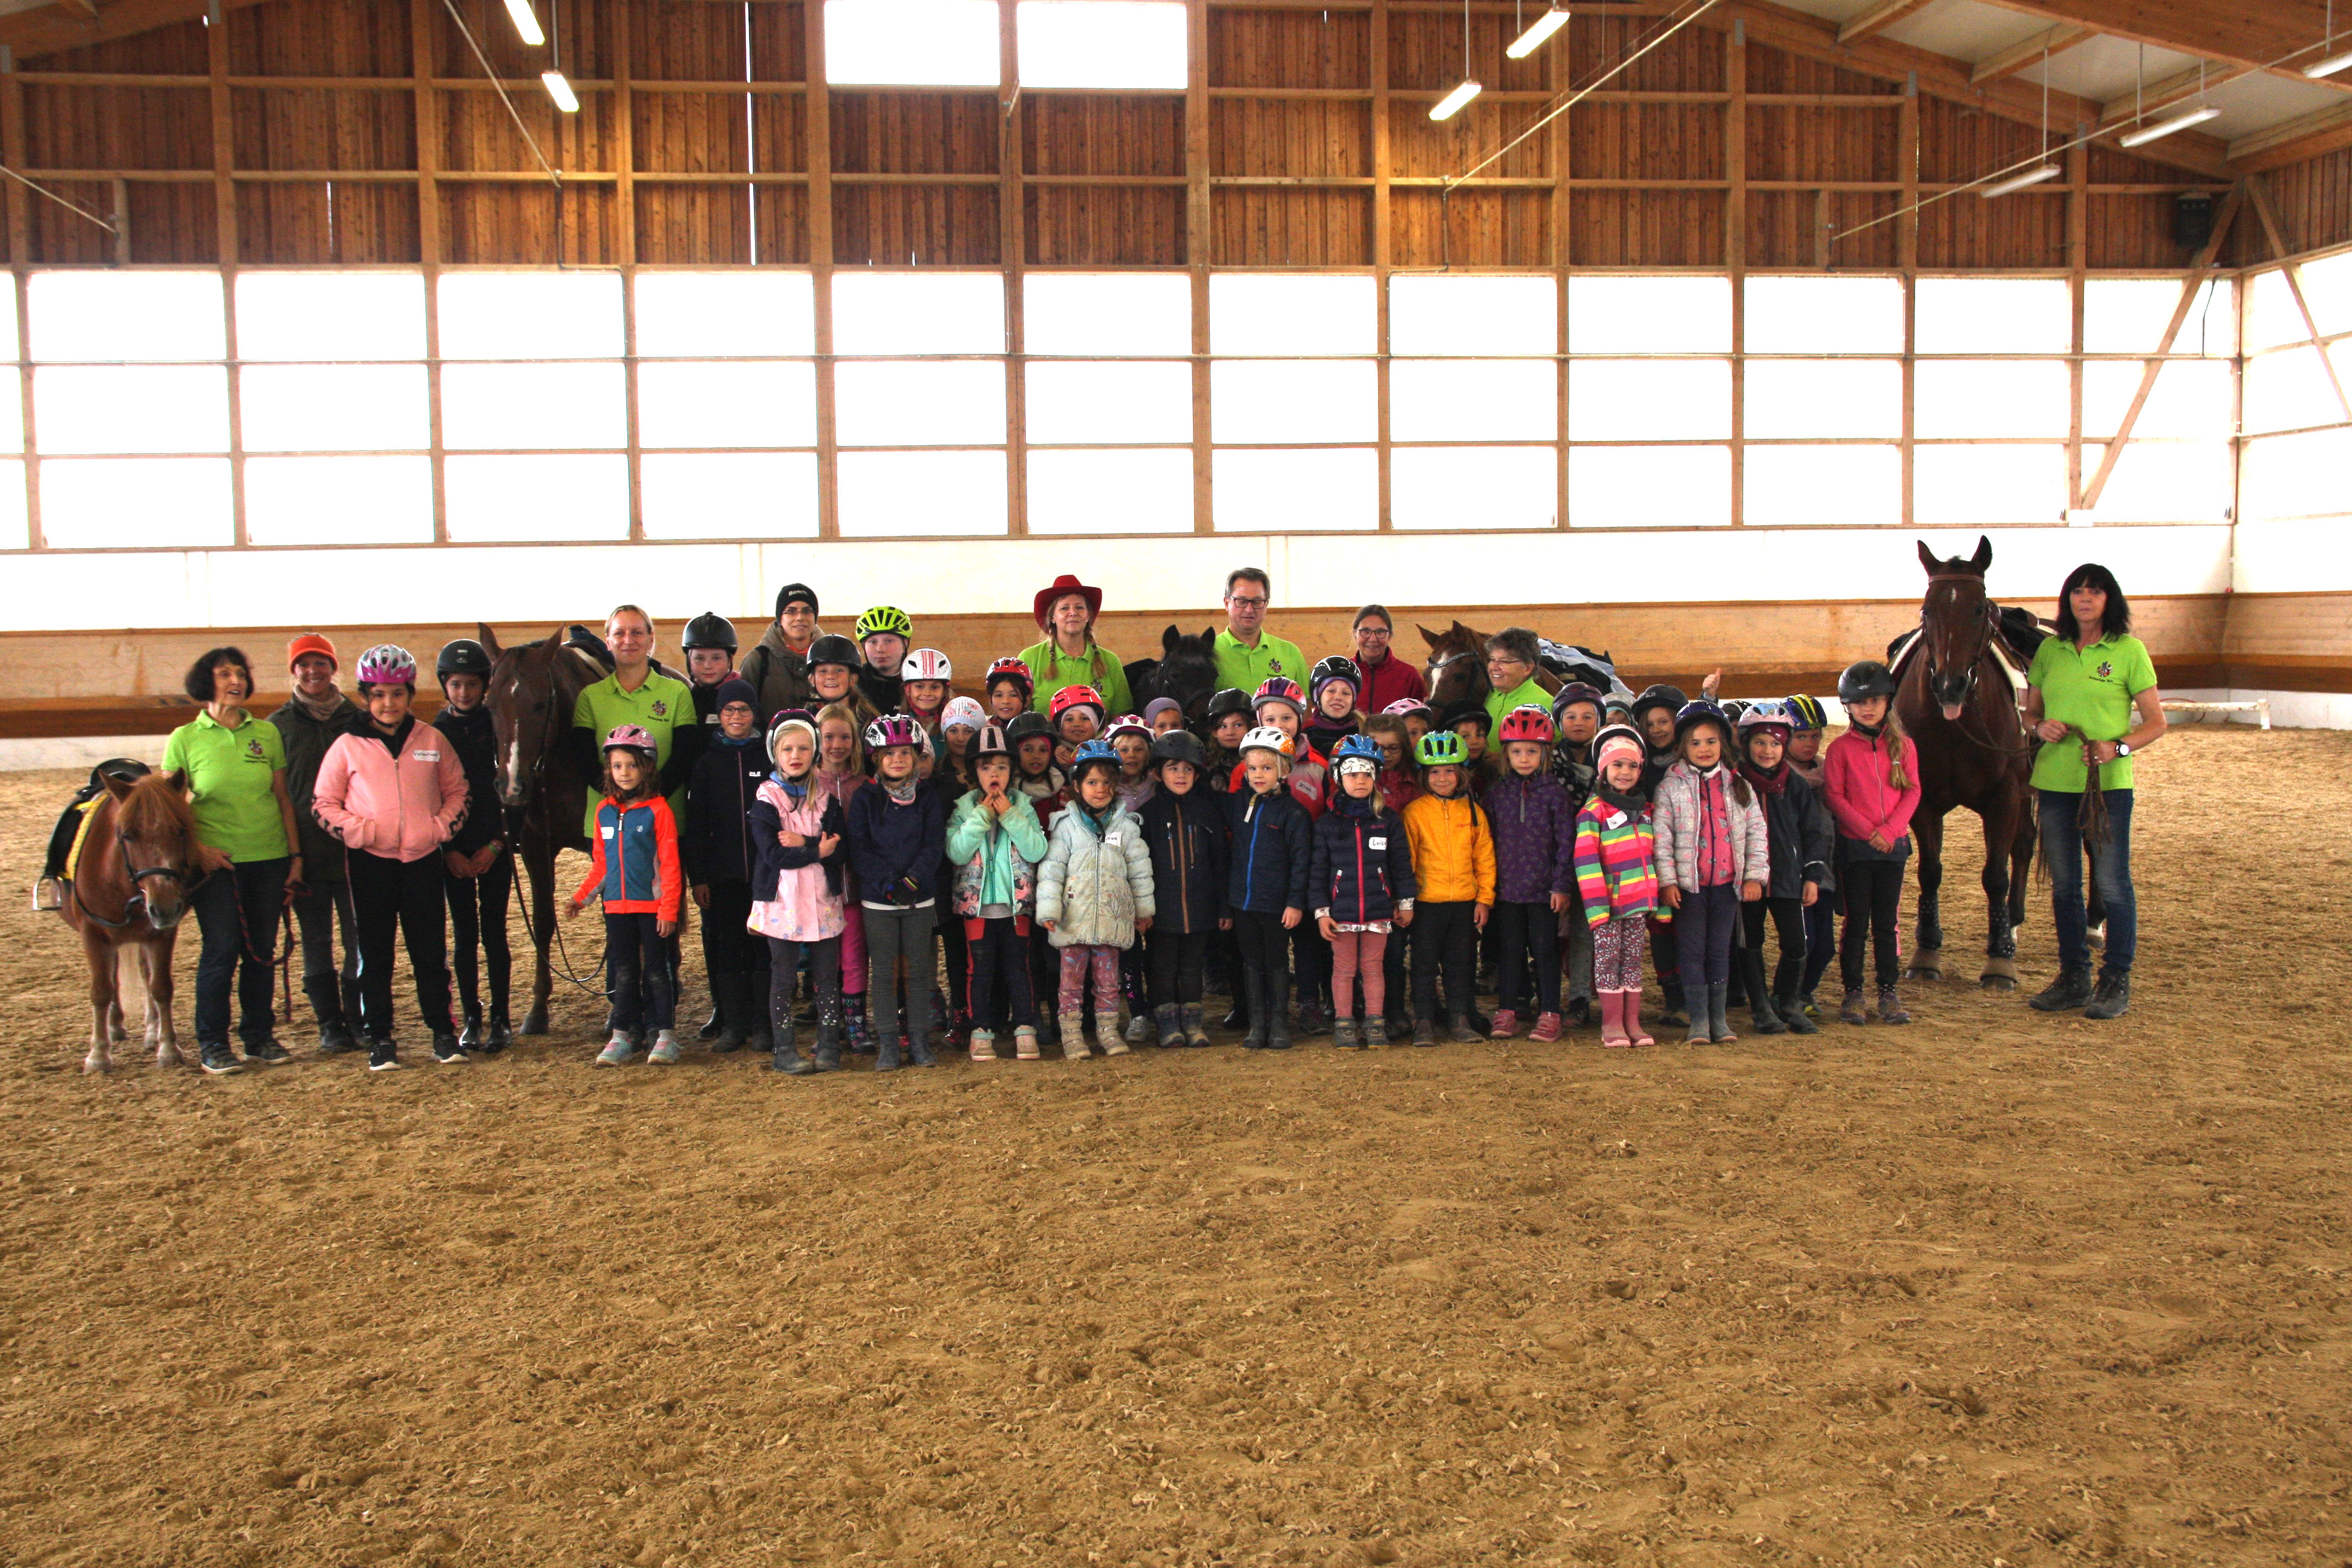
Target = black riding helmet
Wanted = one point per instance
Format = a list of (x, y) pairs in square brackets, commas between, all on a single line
[(708, 630), (1693, 714), (1231, 700), (1179, 746), (462, 656), (1864, 679), (834, 648), (1669, 698), (1025, 725)]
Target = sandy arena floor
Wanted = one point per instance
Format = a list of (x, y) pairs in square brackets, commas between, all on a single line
[(1992, 1289)]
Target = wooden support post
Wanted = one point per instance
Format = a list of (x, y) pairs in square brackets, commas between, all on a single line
[(423, 30), (1735, 254), (1197, 220), (1383, 257), (1563, 195), (1012, 247), (224, 129), (2077, 260), (2199, 272), (2260, 195), (625, 221), (816, 103), (20, 258), (1907, 258)]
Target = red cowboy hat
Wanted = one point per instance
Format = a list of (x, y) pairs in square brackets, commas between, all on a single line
[(1066, 584)]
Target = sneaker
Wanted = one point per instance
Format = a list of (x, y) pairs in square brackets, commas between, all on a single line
[(1890, 1007), (618, 1051), (1546, 1028), (448, 1051), (266, 1053), (1507, 1024), (1856, 1009), (1139, 1029), (665, 1051), (383, 1054), (336, 1038), (2111, 998), (219, 1059)]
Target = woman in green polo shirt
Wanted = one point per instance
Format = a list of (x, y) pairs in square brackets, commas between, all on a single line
[(1069, 656), (235, 768), (2087, 685)]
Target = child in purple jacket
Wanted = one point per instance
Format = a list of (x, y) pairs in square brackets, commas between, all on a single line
[(1534, 872)]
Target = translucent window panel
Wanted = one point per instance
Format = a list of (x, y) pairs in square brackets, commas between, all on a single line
[(511, 406), (1101, 43), (2189, 398), (1252, 313), (1825, 315), (943, 43), (1968, 486), (95, 503), (2328, 290), (1296, 492), (723, 315), (1649, 486), (2128, 316), (951, 403), (537, 497), (130, 408), (11, 423), (1649, 400), (1098, 404), (1474, 486), (1105, 313), (334, 407), (1469, 315), (1608, 315), (2284, 476), (2272, 317), (2163, 481), (530, 315), (1990, 397), (2289, 390), (1855, 487), (329, 315), (910, 313), (1294, 400), (725, 403), (8, 342), (728, 495), (1993, 316), (1473, 400), (1148, 491), (126, 316), (339, 500), (1823, 397), (889, 494), (15, 533)]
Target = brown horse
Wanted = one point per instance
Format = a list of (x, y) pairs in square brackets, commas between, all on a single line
[(129, 889), (531, 691), (1456, 670), (1954, 699)]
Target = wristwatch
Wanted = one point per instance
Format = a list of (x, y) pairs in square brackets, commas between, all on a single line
[(2122, 748)]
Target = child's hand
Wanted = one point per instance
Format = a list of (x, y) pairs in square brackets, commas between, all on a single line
[(1479, 913), (1879, 841), (665, 927), (1225, 922), (571, 909), (1401, 919), (1673, 895), (1290, 919), (827, 845), (1751, 892), (1711, 685), (1812, 894), (1560, 903), (702, 895), (1048, 925), (792, 841), (1142, 925), (1329, 927)]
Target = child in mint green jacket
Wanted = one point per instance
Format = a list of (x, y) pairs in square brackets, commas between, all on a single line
[(995, 842)]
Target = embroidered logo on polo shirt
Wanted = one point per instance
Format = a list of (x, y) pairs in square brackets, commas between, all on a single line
[(2106, 671), (661, 708), (253, 751)]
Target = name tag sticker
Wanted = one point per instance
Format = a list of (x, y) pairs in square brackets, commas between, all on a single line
[(1381, 843), (1111, 838), (427, 756), (1616, 819), (608, 831)]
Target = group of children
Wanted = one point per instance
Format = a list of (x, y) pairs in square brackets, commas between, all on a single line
[(1085, 868)]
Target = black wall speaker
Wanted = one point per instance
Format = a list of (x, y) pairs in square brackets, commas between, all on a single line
[(2192, 219)]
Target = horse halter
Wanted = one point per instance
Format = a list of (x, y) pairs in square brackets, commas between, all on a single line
[(134, 901), (1990, 619)]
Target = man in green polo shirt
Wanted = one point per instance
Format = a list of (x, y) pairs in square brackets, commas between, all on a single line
[(1512, 656), (638, 693), (1247, 654)]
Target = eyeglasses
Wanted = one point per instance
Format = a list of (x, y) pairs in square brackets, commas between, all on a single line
[(1373, 632), (1239, 600)]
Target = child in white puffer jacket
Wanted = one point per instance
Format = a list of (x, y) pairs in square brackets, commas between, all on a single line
[(1095, 895)]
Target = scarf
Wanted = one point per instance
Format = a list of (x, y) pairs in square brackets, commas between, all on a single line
[(1346, 804), (903, 791), (1631, 802), (318, 708), (1773, 783), (795, 790)]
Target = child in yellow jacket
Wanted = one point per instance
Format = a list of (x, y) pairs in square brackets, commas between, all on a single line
[(1453, 862)]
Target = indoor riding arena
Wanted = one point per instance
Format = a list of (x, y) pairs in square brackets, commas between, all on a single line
[(1197, 782)]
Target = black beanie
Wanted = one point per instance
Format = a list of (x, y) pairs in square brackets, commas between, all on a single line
[(795, 593)]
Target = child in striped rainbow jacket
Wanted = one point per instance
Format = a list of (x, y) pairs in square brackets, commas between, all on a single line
[(1617, 882)]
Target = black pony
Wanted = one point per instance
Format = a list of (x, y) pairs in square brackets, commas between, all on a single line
[(1186, 671)]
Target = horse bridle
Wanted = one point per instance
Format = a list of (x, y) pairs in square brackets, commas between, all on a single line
[(134, 903), (1991, 627)]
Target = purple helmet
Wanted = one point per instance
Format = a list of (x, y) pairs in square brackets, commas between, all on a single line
[(894, 730), (387, 664)]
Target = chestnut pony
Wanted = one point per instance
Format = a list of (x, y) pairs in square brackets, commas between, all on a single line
[(129, 889)]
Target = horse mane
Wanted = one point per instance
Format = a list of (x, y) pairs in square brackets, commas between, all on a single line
[(154, 804)]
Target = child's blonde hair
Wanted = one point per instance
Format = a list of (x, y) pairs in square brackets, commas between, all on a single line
[(1898, 776), (847, 714)]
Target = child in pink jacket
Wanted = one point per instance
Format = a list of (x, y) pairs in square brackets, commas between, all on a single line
[(1870, 776), (392, 790)]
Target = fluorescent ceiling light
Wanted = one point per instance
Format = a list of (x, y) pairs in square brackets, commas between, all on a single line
[(2165, 127), (2329, 66), (560, 91), (1542, 27), (525, 22), (2019, 182), (1446, 108)]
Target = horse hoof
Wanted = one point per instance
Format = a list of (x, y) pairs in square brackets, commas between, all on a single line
[(1991, 982), (534, 1022), (1928, 963), (96, 1065)]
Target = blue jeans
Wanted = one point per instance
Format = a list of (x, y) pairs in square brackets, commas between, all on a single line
[(2062, 847), (237, 910)]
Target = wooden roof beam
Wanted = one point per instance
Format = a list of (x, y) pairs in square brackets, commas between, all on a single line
[(2307, 137), (1878, 18), (2280, 37), (2172, 89), (52, 28), (2053, 40)]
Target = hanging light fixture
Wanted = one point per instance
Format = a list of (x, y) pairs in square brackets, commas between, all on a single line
[(2335, 62), (1449, 106), (2019, 182), (1527, 42), (2181, 122), (525, 22), (560, 91)]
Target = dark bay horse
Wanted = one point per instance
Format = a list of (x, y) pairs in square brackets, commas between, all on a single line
[(531, 691), (1954, 698), (129, 890), (1185, 672)]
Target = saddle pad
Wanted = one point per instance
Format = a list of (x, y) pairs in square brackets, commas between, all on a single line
[(88, 808)]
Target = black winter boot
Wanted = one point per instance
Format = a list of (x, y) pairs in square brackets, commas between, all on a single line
[(2111, 998), (2070, 991), (1278, 1010), (1791, 1012), (1249, 1007), (1760, 1011), (733, 994)]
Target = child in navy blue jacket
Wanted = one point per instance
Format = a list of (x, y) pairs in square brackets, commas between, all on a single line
[(897, 839), (1192, 845), (716, 844), (1267, 884), (1361, 879)]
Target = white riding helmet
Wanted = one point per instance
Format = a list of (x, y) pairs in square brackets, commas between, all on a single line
[(1267, 738), (926, 663)]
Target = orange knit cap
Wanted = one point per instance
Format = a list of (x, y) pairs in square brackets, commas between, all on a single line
[(311, 642)]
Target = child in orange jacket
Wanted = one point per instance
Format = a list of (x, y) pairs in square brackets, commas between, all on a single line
[(635, 872)]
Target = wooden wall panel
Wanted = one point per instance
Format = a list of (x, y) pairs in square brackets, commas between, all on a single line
[(2132, 231), (1271, 136), (1497, 227), (691, 133), (1646, 228), (685, 40), (321, 128), (318, 37), (68, 127), (1646, 142), (1957, 142), (1785, 228), (914, 133), (531, 224), (916, 226), (1105, 226), (1691, 62), (1789, 142), (172, 225), (1419, 145), (685, 225), (2314, 199), (349, 224), (1260, 227), (179, 49), (1073, 134), (1426, 53), (1289, 48), (1776, 70), (780, 218)]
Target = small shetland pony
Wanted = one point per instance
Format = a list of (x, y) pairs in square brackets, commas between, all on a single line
[(129, 886)]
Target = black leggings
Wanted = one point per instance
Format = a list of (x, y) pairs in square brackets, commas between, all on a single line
[(1521, 930), (477, 919), (954, 942), (401, 900), (1788, 917), (1443, 936), (1874, 901), (637, 960), (1177, 960), (825, 974), (997, 975), (1310, 959)]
